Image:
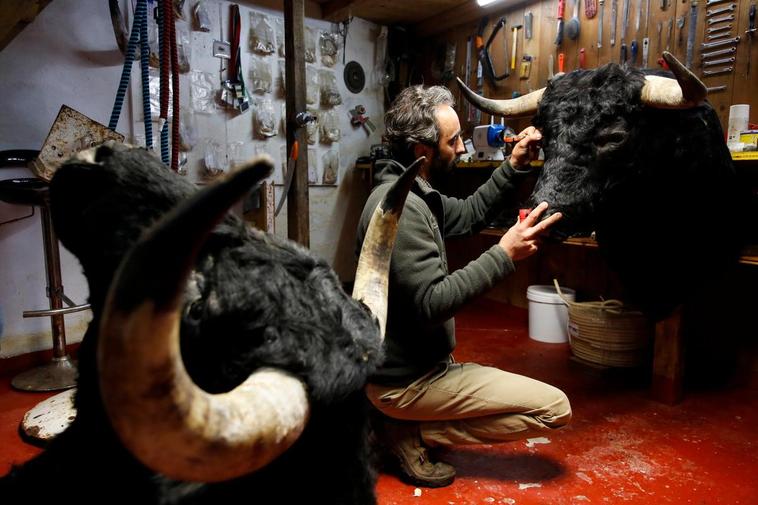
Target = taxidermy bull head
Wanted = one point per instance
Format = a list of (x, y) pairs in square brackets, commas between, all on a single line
[(641, 160), (222, 363)]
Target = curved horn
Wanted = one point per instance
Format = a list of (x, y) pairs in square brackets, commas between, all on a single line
[(372, 275), (161, 416), (684, 92), (525, 105)]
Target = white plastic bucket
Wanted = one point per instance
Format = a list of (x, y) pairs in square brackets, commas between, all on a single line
[(548, 315)]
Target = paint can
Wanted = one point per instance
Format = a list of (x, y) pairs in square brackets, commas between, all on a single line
[(548, 313)]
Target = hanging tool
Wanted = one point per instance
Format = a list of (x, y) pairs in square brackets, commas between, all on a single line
[(715, 89), (711, 2), (561, 62), (614, 9), (750, 32), (715, 29), (624, 27), (550, 67), (573, 26), (722, 19), (669, 29), (691, 34), (719, 43), (590, 8), (582, 59), (646, 39), (294, 152), (515, 30), (483, 51), (660, 29), (634, 50), (716, 36), (720, 52), (559, 30), (714, 12), (638, 18), (526, 67), (358, 117), (725, 70), (600, 25), (528, 19), (664, 4), (720, 61), (679, 27)]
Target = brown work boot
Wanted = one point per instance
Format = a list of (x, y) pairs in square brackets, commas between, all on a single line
[(403, 440)]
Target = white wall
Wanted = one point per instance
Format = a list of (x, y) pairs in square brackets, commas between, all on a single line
[(68, 56)]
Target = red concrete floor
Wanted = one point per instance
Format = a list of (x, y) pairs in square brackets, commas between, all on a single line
[(621, 447)]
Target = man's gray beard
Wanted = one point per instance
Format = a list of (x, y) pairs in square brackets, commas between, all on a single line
[(440, 173)]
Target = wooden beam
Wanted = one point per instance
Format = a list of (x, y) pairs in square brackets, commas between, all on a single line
[(461, 14), (340, 10), (298, 219), (15, 15)]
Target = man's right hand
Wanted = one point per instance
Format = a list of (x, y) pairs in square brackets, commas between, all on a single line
[(522, 239)]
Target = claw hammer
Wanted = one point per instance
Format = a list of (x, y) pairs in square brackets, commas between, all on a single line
[(515, 30)]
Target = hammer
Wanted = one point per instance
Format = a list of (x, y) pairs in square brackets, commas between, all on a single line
[(515, 29)]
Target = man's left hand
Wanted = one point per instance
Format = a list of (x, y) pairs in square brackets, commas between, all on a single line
[(527, 149)]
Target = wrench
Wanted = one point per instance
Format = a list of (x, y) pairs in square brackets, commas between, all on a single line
[(713, 21), (716, 88), (720, 52), (719, 62), (711, 2), (717, 36), (713, 12), (670, 25), (719, 29), (720, 43), (717, 71)]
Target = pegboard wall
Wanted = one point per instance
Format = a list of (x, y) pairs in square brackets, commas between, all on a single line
[(665, 23)]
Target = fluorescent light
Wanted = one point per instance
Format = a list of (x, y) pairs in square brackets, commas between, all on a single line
[(482, 3)]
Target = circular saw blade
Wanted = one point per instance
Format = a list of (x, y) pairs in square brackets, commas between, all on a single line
[(354, 77)]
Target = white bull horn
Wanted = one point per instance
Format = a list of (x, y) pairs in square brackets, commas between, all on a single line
[(684, 92), (372, 275), (525, 105), (165, 420)]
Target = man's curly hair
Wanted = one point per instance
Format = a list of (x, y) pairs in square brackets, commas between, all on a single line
[(412, 119)]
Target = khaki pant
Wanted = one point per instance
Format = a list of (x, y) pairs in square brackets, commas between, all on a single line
[(466, 403)]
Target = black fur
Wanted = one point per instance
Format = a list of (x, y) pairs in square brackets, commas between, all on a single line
[(658, 186), (253, 300)]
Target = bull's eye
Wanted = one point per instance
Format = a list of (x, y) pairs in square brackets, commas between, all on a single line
[(195, 310)]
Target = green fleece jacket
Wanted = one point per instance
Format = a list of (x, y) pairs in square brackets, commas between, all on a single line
[(423, 294)]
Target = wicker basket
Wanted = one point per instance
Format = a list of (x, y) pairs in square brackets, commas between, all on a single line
[(607, 333)]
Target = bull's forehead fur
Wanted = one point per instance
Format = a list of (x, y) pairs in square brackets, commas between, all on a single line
[(252, 300)]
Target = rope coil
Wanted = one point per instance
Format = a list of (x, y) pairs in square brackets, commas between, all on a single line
[(607, 332)]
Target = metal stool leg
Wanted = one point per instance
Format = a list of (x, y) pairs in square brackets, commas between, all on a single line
[(61, 372)]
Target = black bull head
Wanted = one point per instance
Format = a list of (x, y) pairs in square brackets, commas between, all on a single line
[(641, 160), (217, 353)]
